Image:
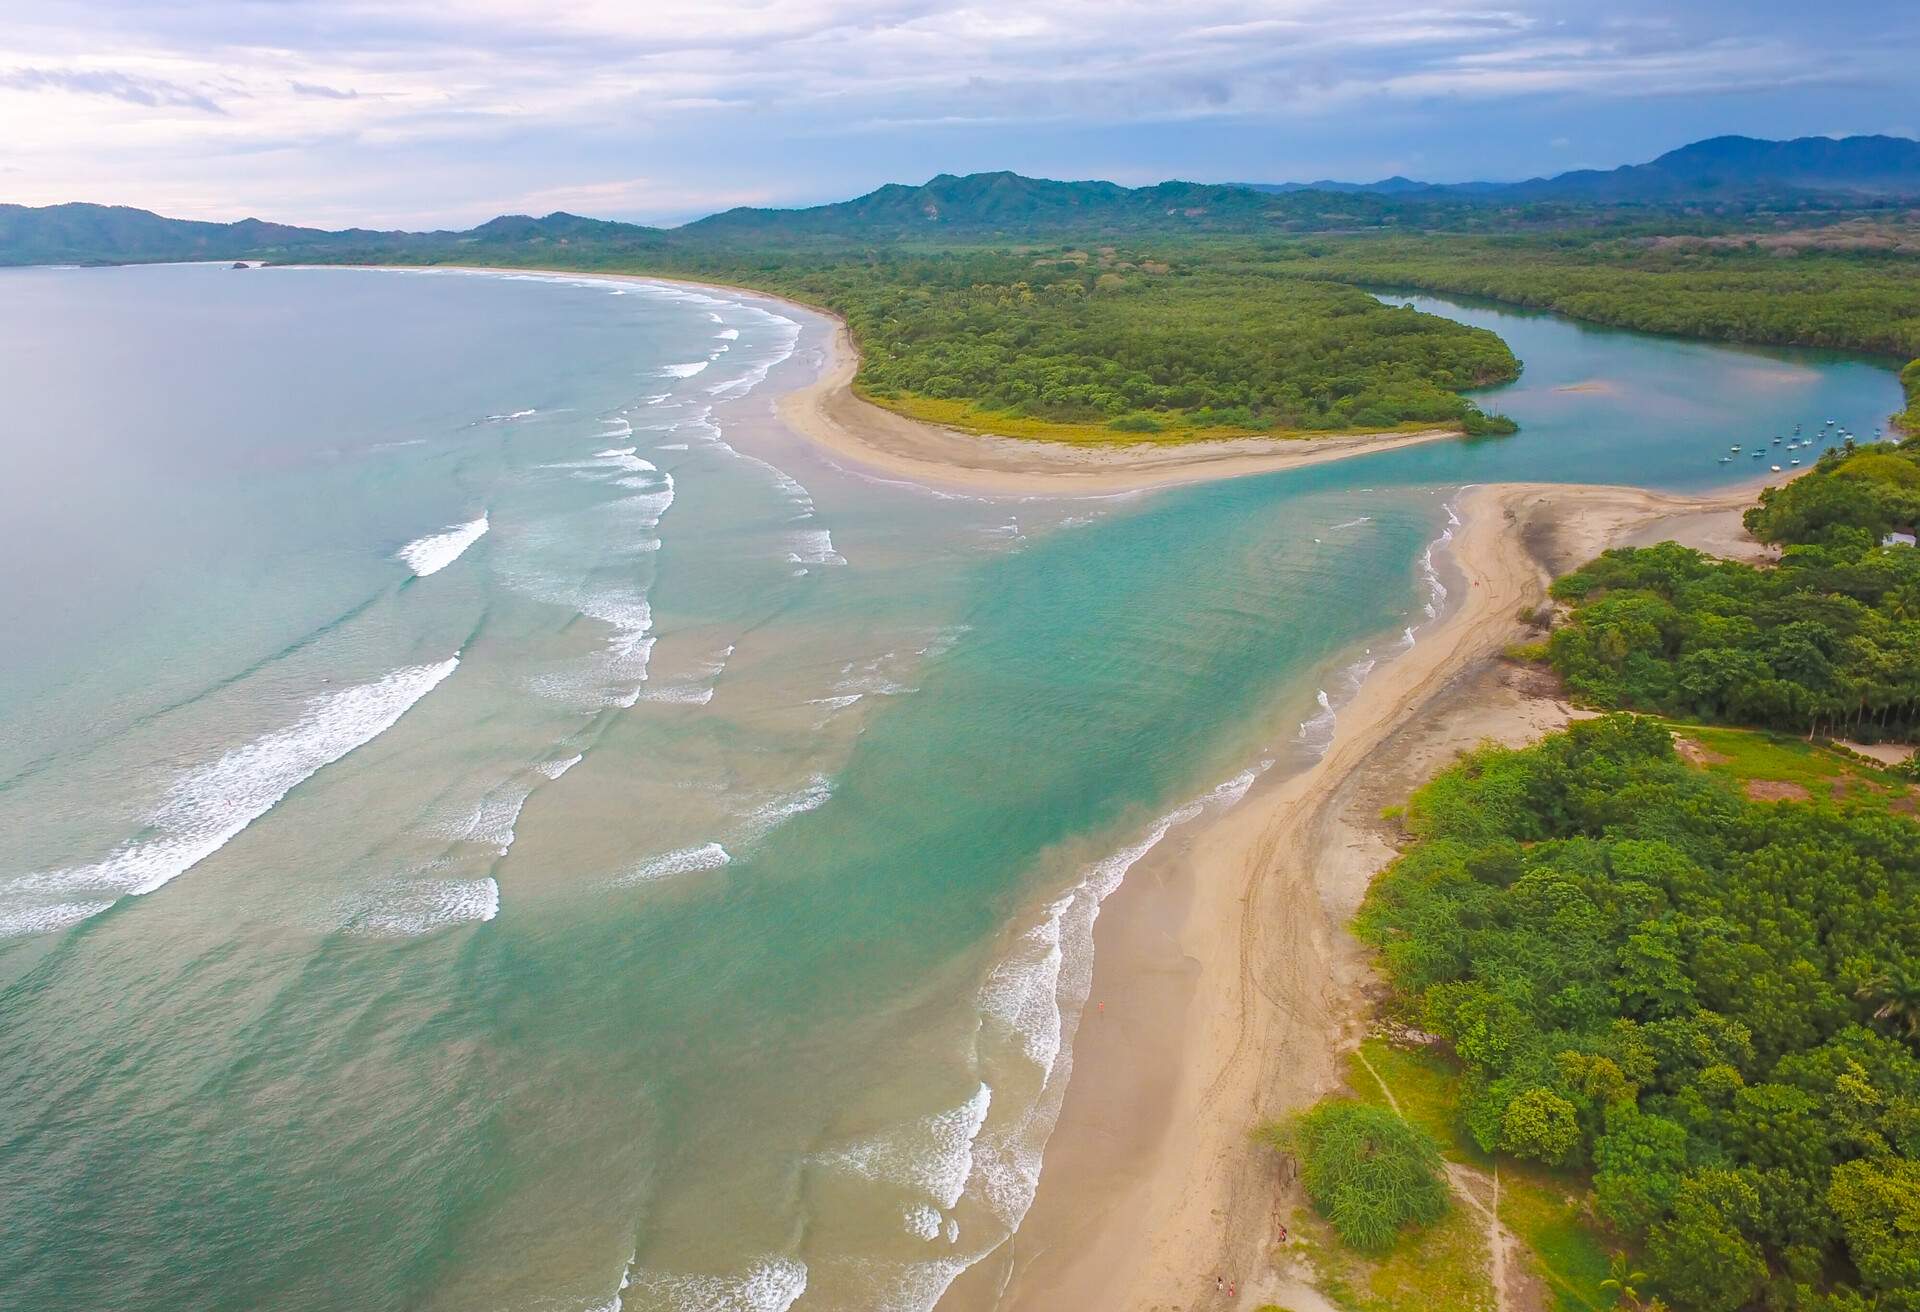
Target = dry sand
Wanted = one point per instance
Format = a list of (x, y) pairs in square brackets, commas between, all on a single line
[(1231, 985)]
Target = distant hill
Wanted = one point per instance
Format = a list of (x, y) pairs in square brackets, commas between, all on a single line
[(1725, 171), (1722, 167), (116, 234), (1717, 169), (1009, 204)]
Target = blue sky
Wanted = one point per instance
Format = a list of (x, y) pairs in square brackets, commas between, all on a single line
[(426, 113)]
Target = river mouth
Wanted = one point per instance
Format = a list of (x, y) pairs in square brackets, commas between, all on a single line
[(693, 933)]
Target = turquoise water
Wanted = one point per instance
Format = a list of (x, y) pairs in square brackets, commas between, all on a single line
[(488, 819)]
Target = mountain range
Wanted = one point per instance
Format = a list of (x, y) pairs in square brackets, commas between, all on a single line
[(1720, 171), (1873, 167)]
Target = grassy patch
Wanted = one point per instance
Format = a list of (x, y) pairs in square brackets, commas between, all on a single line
[(970, 418), (1757, 756), (1543, 1209), (1546, 1214), (1443, 1265), (1425, 1084)]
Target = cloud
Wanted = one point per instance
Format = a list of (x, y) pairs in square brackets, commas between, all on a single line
[(149, 92), (385, 108), (321, 92)]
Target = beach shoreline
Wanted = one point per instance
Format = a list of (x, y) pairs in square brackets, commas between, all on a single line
[(1231, 985), (827, 412)]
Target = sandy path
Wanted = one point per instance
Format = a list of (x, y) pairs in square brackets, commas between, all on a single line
[(1274, 985)]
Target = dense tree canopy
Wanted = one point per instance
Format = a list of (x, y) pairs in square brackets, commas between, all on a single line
[(1701, 997), (1078, 337), (1828, 639), (1368, 1171)]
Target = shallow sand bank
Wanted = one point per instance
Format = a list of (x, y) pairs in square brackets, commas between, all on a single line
[(1231, 984)]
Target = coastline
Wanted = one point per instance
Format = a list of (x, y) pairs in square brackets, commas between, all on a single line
[(1231, 985), (827, 412)]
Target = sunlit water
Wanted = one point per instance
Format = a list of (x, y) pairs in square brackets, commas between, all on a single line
[(488, 819)]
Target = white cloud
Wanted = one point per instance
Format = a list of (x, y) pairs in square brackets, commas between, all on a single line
[(398, 109)]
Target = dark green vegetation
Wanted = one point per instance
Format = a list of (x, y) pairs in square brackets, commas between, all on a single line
[(1855, 286), (1709, 1002), (1368, 1171), (1144, 347), (1826, 641)]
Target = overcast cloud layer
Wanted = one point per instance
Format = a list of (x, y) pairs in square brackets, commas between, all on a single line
[(410, 113)]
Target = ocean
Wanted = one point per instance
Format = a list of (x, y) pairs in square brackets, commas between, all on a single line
[(490, 819)]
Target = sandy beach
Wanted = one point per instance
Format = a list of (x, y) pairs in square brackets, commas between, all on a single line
[(1231, 986)]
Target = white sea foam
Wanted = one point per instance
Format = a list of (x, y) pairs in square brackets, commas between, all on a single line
[(789, 334), (47, 918), (671, 446), (933, 1154), (554, 769), (1316, 731), (772, 1284), (728, 334), (769, 815), (510, 417), (422, 906), (684, 370), (839, 703), (207, 807), (1354, 523), (813, 546), (1436, 590), (436, 551), (492, 821), (707, 856)]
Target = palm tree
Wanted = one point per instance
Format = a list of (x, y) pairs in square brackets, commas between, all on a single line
[(1623, 1281), (1894, 996)]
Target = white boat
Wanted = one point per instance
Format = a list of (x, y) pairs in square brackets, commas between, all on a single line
[(1776, 469)]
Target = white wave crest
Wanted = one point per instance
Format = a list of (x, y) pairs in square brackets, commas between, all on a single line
[(813, 546), (769, 815), (47, 918), (707, 856), (436, 551), (425, 905), (684, 370), (554, 769), (770, 1285), (206, 808), (933, 1154)]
